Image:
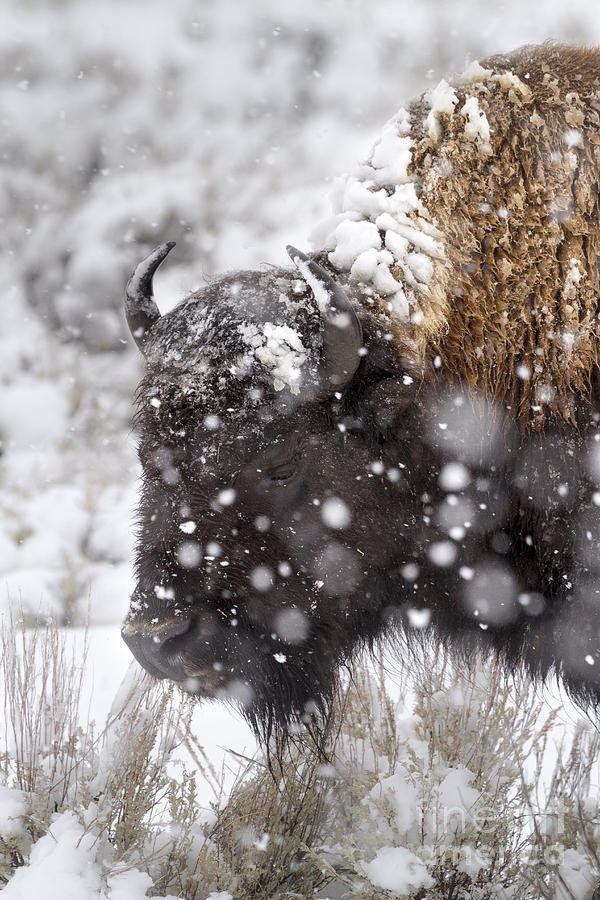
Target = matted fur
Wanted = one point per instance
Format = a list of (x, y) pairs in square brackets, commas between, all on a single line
[(519, 219)]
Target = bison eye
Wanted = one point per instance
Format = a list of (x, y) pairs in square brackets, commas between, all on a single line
[(285, 472)]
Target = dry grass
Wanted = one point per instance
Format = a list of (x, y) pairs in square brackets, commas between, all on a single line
[(42, 692), (292, 828)]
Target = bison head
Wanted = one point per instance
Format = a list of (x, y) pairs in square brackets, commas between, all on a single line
[(273, 510)]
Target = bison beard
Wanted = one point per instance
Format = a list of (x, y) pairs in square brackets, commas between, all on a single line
[(399, 435)]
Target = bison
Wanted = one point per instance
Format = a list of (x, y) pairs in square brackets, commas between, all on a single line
[(401, 431)]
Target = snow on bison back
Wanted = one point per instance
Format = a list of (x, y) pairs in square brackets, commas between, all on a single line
[(401, 430)]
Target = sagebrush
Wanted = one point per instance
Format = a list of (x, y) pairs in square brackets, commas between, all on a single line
[(464, 777)]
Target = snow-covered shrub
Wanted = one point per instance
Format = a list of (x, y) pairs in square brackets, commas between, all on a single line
[(448, 794), (83, 810), (457, 790), (111, 813)]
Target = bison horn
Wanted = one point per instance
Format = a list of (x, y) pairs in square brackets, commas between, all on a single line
[(342, 332), (140, 309)]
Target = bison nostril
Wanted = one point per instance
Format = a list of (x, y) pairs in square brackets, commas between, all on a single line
[(158, 647), (171, 630)]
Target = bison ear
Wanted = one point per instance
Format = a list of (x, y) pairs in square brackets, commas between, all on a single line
[(140, 309), (342, 332)]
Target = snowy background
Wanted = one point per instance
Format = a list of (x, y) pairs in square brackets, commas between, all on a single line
[(125, 123)]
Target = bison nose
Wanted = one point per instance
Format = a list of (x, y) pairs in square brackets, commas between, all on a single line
[(158, 647)]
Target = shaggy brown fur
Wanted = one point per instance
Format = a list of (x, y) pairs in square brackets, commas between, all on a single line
[(518, 318)]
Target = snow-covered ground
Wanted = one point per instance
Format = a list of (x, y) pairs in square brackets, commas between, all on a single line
[(218, 124)]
